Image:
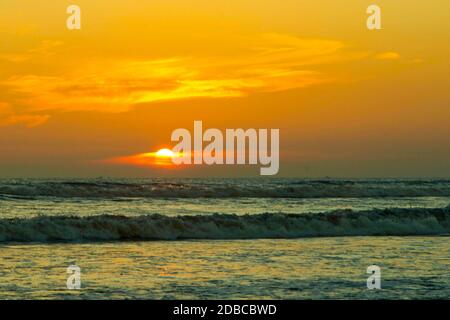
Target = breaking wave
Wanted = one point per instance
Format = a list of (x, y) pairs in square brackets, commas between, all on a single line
[(226, 188), (376, 222)]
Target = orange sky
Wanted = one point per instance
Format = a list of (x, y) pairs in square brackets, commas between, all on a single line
[(349, 102)]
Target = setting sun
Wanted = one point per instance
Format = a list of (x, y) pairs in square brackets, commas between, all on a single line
[(162, 157), (165, 153)]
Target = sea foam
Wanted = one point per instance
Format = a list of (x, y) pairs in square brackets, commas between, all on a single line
[(388, 222)]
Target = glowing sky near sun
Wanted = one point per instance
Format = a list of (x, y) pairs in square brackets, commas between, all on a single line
[(348, 101)]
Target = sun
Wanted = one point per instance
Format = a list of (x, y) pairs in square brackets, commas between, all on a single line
[(165, 153), (163, 157)]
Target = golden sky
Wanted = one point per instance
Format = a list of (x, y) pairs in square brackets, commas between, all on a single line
[(349, 102)]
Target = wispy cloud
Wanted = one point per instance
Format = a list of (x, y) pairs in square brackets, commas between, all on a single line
[(389, 55), (149, 159), (8, 117), (272, 62), (45, 49)]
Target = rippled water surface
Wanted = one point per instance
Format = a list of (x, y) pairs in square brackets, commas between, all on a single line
[(100, 225), (322, 268)]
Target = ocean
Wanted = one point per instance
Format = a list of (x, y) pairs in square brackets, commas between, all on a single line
[(224, 238)]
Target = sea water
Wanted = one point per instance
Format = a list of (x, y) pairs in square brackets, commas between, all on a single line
[(224, 238)]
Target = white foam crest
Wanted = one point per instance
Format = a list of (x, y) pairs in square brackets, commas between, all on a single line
[(388, 222)]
